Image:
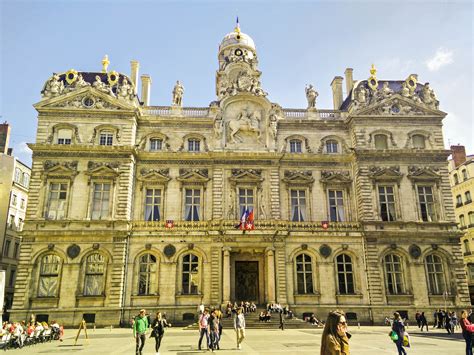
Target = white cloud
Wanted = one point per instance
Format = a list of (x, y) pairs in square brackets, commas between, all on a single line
[(21, 148), (441, 58)]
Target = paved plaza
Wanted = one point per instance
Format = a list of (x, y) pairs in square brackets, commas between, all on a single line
[(366, 340)]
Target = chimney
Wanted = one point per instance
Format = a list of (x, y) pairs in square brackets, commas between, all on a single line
[(336, 85), (459, 154), (134, 73), (4, 137), (349, 80), (146, 87)]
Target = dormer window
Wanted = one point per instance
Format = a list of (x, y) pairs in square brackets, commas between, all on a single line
[(295, 146), (106, 138), (64, 136), (332, 146), (194, 145), (380, 141), (156, 144), (418, 141)]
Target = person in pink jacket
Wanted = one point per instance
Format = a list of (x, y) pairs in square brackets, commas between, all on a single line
[(467, 330)]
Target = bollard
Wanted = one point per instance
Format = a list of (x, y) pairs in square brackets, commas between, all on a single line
[(94, 327), (358, 325)]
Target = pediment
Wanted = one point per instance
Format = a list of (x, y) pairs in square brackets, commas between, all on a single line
[(423, 173), (154, 176), (60, 169), (391, 173), (196, 176), (298, 177), (109, 170), (396, 105), (87, 98), (335, 177), (246, 176)]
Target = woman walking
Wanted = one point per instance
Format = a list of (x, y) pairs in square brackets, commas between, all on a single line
[(399, 328), (335, 339), (158, 330), (467, 330)]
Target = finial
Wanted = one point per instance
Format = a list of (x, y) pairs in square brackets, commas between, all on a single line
[(237, 26), (105, 63), (373, 71)]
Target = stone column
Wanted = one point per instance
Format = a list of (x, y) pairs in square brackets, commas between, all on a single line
[(270, 274), (226, 275)]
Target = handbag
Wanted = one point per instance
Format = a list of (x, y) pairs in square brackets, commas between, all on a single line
[(393, 335), (406, 340)]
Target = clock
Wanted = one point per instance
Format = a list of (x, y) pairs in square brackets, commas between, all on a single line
[(238, 52)]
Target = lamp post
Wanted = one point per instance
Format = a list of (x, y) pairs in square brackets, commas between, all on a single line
[(445, 296)]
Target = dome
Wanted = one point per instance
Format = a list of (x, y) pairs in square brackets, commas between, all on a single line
[(237, 37)]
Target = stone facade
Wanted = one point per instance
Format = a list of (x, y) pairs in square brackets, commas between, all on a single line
[(151, 196), (461, 171)]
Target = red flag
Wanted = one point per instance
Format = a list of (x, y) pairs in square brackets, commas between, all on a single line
[(249, 224)]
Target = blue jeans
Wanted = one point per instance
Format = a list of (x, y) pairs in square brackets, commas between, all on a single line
[(399, 344), (203, 331), (468, 338)]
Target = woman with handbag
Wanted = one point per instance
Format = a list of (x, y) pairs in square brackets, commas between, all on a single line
[(467, 330), (335, 339), (399, 329), (158, 330)]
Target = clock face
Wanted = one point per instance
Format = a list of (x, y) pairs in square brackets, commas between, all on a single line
[(238, 52)]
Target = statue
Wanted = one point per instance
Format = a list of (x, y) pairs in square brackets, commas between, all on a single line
[(362, 95), (385, 91), (81, 82), (54, 87), (405, 90), (311, 96), (218, 126), (125, 91), (428, 96), (99, 85), (178, 92), (244, 122)]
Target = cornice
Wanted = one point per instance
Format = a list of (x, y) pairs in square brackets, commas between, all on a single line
[(80, 150), (406, 155)]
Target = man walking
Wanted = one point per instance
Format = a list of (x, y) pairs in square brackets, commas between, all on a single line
[(140, 326), (239, 326)]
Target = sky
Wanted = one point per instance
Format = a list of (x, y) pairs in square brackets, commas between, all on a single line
[(298, 43)]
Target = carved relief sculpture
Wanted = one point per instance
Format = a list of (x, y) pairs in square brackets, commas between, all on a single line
[(246, 122)]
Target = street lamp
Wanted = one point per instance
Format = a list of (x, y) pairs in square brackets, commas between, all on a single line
[(445, 296)]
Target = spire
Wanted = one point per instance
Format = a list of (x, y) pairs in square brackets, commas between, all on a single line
[(105, 63), (237, 26)]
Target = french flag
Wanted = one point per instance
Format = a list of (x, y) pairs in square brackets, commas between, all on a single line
[(243, 220)]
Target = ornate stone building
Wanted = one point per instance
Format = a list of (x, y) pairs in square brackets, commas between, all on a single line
[(134, 206)]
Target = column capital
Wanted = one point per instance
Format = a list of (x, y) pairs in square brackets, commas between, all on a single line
[(270, 250), (226, 250)]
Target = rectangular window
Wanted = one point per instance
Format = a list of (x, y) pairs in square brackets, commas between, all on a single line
[(298, 205), (64, 136), (336, 205), (153, 205), (56, 204), (295, 146), (11, 280), (6, 249), (194, 145), (20, 224), (14, 200), (100, 201), (387, 203), (106, 138), (11, 221), (15, 250), (425, 198), (18, 176), (22, 204), (192, 205), (467, 196), (246, 200), (156, 144)]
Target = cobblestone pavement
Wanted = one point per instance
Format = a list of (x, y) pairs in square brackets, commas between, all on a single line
[(366, 340)]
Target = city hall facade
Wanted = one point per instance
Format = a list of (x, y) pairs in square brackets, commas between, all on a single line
[(135, 206)]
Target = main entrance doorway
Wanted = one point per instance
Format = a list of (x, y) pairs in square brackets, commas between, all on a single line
[(246, 281)]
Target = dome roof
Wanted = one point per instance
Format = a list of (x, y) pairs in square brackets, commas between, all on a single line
[(237, 37)]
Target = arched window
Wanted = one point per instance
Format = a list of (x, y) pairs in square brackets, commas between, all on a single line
[(467, 248), (462, 221), (50, 268), (190, 275), (471, 218), (458, 200), (394, 274), (435, 273), (380, 141), (470, 271), (295, 146), (147, 275), (467, 196), (345, 275), (456, 179), (95, 275), (332, 146), (418, 141), (304, 274), (464, 174)]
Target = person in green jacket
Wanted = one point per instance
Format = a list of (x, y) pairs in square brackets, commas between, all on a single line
[(140, 326)]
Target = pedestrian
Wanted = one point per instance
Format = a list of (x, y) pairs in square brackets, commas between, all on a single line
[(239, 326), (214, 330), (418, 318), (140, 325), (399, 328), (158, 330), (467, 330), (335, 338), (204, 328), (423, 321), (282, 322), (447, 322)]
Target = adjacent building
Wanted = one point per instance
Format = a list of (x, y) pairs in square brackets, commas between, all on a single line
[(461, 170), (136, 206), (14, 182)]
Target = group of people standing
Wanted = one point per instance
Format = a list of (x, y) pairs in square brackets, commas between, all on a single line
[(140, 326)]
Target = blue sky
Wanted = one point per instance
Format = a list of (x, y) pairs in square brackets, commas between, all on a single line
[(297, 43)]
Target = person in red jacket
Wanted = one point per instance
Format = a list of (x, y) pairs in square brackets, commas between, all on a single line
[(467, 330)]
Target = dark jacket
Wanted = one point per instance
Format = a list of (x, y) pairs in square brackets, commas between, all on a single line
[(398, 327)]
